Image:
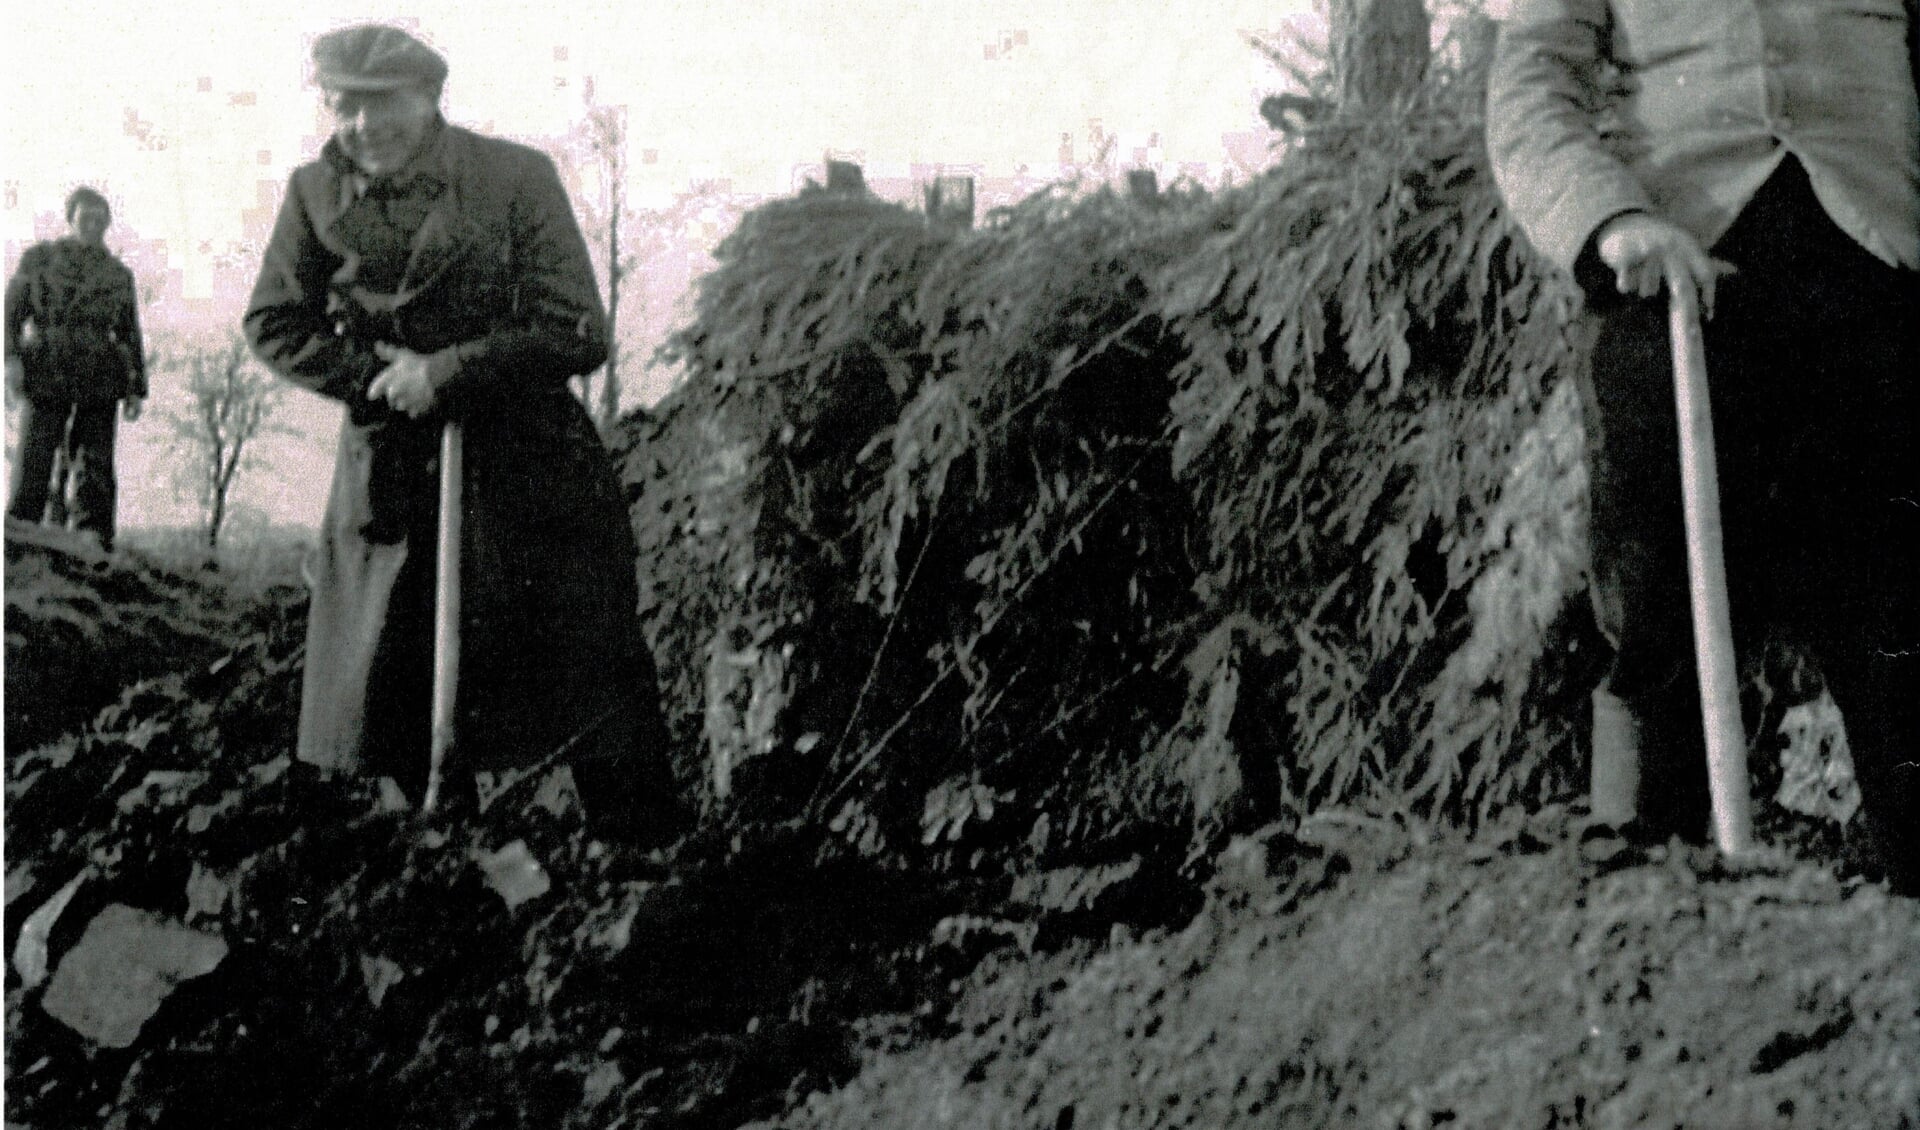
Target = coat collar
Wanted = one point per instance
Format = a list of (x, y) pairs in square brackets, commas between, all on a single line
[(444, 236), (425, 171), (75, 247)]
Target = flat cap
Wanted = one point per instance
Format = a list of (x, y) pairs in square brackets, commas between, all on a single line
[(375, 57)]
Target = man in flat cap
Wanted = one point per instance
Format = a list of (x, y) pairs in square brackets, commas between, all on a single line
[(1765, 155), (420, 273), (75, 359)]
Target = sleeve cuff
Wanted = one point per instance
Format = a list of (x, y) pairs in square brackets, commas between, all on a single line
[(1569, 226), (1589, 271), (450, 367)]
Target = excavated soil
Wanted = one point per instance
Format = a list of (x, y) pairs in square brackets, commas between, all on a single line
[(499, 969), (1454, 985)]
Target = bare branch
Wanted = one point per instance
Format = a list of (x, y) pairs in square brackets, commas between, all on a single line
[(229, 401)]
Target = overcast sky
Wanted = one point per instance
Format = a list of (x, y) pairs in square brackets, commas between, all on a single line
[(190, 114)]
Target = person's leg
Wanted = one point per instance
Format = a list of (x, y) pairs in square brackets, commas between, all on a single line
[(601, 692), (43, 426), (1642, 753), (1856, 475), (58, 483), (399, 688), (94, 490), (1825, 365)]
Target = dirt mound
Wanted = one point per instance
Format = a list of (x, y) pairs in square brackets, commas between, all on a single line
[(82, 624), (1464, 986), (201, 933)]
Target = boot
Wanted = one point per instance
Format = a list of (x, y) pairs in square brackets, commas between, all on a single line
[(1614, 782), (1649, 771)]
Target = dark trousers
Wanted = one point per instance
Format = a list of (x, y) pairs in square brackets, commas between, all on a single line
[(1813, 373), (86, 432)]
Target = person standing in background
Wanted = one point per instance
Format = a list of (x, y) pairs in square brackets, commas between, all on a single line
[(75, 359)]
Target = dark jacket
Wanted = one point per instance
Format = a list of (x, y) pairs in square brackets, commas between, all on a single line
[(73, 320), (551, 647)]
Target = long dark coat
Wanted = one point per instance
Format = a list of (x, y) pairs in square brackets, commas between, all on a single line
[(497, 266)]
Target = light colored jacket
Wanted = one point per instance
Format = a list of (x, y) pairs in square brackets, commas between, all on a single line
[(1684, 108)]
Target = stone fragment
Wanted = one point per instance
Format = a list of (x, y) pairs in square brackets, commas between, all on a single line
[(514, 874), (123, 968), (30, 958)]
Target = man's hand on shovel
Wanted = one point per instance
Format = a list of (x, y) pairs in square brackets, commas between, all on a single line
[(1648, 254), (411, 381)]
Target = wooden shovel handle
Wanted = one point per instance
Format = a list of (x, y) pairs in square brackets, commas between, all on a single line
[(1707, 577), (446, 611)]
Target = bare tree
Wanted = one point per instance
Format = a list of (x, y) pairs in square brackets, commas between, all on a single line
[(649, 256), (1379, 50), (1374, 52), (598, 153), (229, 400)]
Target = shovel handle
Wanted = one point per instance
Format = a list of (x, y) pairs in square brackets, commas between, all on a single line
[(446, 611), (1707, 580)]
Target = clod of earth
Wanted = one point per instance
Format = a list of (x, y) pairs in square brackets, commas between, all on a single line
[(126, 964), (30, 958), (514, 874)]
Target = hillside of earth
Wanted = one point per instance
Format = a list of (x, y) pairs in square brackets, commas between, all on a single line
[(359, 966)]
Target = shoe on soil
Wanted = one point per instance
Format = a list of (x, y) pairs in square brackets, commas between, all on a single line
[(1611, 845)]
